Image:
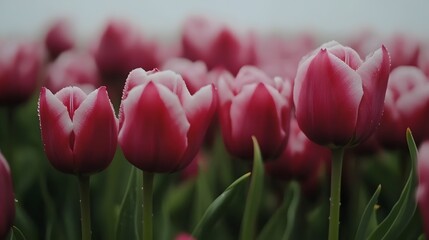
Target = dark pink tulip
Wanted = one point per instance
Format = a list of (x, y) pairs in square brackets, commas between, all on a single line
[(254, 104), (194, 73), (73, 68), (7, 199), (59, 37), (338, 97), (79, 131), (301, 159), (161, 125), (215, 43), (406, 106), (423, 186), (20, 65), (184, 236)]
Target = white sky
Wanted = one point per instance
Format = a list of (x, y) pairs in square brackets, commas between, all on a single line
[(20, 17)]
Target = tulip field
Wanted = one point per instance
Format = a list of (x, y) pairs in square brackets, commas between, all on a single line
[(216, 133)]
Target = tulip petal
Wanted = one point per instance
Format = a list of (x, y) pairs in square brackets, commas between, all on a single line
[(327, 94), (200, 109), (7, 200), (153, 135), (96, 132), (71, 97), (374, 73), (56, 129), (263, 106)]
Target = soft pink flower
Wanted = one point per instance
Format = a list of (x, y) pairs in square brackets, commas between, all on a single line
[(79, 131), (162, 125), (254, 104), (73, 68), (7, 199), (338, 97)]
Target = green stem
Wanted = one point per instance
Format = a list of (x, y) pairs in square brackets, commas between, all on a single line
[(85, 207), (147, 205), (334, 217)]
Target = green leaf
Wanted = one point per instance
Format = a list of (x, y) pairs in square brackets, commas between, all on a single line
[(16, 234), (402, 212), (217, 208), (367, 214), (281, 223), (129, 220), (254, 195)]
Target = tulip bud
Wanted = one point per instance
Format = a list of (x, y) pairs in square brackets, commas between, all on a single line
[(254, 105), (423, 186), (73, 69), (79, 131), (338, 97), (20, 64), (406, 106), (7, 200), (59, 38), (161, 125)]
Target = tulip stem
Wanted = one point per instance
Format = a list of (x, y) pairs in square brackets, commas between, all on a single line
[(334, 217), (147, 205), (85, 207)]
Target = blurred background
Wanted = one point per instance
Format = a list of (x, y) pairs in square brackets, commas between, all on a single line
[(329, 17)]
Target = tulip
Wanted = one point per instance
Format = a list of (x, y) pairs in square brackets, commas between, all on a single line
[(215, 43), (406, 106), (254, 105), (338, 97), (7, 200), (59, 38), (423, 185), (73, 69), (300, 160), (79, 131), (184, 236), (20, 64), (193, 73), (161, 125)]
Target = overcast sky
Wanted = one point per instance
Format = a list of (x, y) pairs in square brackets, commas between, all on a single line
[(19, 17)]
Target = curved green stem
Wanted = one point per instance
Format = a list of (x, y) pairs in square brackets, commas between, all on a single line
[(85, 207), (334, 216), (147, 205)]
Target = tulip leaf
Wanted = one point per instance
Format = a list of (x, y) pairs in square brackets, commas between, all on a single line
[(281, 223), (16, 234), (129, 220), (367, 214), (254, 195), (217, 207), (402, 212)]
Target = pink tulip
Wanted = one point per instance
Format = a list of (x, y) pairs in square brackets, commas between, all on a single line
[(79, 131), (338, 97), (194, 73), (254, 105), (423, 185), (161, 125), (59, 37), (7, 199), (20, 65), (215, 43), (73, 68), (301, 159), (406, 106), (184, 236)]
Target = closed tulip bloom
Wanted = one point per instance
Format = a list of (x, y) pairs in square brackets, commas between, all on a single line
[(423, 186), (79, 131), (253, 104), (20, 65), (406, 106), (59, 37), (338, 97), (161, 125), (7, 202)]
